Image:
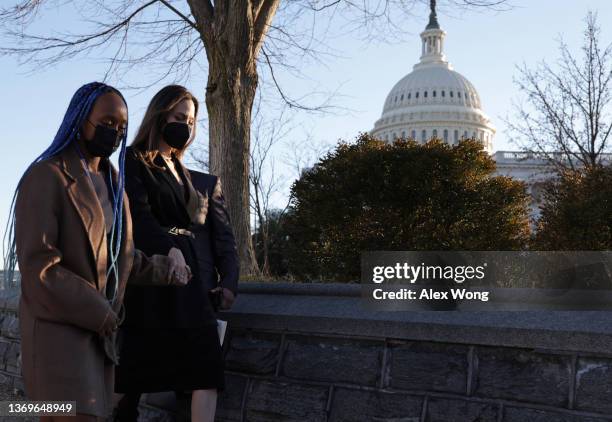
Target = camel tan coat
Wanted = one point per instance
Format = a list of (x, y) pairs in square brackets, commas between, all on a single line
[(62, 256)]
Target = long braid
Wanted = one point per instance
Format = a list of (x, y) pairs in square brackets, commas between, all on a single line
[(78, 110), (117, 228)]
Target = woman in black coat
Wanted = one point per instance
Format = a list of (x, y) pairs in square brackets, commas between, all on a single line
[(169, 340)]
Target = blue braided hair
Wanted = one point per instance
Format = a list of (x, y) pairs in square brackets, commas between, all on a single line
[(78, 110)]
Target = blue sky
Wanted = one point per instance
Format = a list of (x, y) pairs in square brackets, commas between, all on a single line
[(483, 46)]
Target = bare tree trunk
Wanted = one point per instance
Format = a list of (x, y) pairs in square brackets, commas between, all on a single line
[(229, 99), (266, 248), (257, 207), (233, 33)]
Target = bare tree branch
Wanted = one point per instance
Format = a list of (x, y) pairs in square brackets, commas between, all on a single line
[(567, 116), (263, 14), (182, 16)]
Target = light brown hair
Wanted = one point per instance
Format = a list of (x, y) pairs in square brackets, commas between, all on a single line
[(146, 142)]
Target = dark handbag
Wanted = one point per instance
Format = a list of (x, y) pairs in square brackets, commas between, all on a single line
[(215, 299)]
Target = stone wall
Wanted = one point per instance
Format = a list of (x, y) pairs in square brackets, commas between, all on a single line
[(313, 353), (10, 359)]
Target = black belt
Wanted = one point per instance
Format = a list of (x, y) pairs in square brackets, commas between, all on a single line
[(179, 231)]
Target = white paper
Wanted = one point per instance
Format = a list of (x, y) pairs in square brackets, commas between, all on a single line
[(221, 326)]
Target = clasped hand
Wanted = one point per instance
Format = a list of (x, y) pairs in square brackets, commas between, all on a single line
[(180, 273)]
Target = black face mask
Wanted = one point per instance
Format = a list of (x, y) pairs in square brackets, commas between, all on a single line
[(105, 141), (176, 134)]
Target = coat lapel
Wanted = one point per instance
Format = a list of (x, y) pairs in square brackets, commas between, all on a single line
[(193, 201), (83, 196), (166, 176), (85, 200)]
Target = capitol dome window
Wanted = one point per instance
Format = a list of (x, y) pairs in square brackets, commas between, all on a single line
[(413, 135), (435, 133), (403, 134), (456, 136), (444, 93), (445, 135), (425, 94), (396, 98), (424, 135), (452, 94), (409, 95), (434, 93), (417, 95), (458, 94), (402, 97)]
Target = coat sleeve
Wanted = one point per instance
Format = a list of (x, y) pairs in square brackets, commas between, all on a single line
[(153, 270), (51, 291), (147, 230), (224, 243)]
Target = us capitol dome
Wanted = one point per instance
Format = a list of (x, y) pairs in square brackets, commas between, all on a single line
[(434, 101)]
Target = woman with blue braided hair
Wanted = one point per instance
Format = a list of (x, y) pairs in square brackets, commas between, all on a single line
[(71, 234)]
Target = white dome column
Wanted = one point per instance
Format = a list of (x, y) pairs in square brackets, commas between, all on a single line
[(433, 40)]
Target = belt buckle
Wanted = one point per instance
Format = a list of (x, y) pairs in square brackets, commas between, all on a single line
[(177, 231)]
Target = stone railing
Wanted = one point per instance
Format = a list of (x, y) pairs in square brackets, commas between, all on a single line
[(538, 157), (312, 352)]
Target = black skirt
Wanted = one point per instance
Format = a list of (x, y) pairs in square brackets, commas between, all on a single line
[(169, 359)]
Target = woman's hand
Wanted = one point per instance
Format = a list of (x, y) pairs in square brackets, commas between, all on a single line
[(227, 297), (180, 272), (177, 256)]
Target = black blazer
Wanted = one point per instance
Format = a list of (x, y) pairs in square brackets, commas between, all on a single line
[(158, 203), (215, 238)]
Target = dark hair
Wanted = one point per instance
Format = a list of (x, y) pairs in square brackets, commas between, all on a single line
[(146, 142)]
